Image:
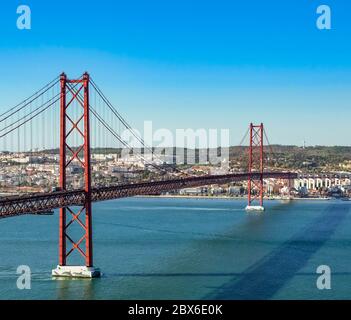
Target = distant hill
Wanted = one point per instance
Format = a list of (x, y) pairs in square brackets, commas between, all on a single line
[(317, 158)]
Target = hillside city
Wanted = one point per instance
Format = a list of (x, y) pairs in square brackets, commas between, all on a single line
[(324, 172)]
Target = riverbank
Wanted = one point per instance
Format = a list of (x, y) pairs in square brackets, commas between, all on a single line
[(225, 197)]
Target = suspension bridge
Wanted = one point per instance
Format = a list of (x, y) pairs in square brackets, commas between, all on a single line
[(68, 121)]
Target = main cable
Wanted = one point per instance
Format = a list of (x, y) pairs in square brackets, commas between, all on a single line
[(14, 109)]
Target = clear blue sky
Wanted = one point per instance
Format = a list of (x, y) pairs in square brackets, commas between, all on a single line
[(197, 64)]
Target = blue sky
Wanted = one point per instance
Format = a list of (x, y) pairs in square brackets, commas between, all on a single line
[(197, 64)]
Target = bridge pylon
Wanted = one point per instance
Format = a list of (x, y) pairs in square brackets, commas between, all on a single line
[(256, 155), (75, 150)]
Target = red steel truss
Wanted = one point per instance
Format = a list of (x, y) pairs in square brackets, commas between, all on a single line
[(36, 203), (255, 186), (68, 155)]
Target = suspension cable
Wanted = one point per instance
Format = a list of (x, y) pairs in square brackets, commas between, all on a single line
[(124, 122), (118, 115), (116, 135), (29, 119), (108, 127), (31, 112), (269, 145), (14, 109)]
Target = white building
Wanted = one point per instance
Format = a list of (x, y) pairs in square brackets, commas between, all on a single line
[(316, 183)]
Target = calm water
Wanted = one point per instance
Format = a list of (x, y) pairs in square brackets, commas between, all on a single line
[(189, 249)]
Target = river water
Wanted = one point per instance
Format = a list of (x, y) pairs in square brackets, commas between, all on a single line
[(156, 248)]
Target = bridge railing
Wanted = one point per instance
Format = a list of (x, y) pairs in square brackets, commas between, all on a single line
[(19, 205)]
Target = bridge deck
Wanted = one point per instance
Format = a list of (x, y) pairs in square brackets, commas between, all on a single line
[(19, 205)]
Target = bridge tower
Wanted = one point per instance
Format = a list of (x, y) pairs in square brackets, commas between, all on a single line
[(255, 186), (75, 149)]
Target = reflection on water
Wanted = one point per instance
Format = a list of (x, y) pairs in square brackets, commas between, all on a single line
[(83, 288), (188, 248)]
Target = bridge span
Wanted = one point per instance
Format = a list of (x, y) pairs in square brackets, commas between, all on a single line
[(28, 204)]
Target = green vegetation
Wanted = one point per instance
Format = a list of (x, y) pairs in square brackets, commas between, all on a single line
[(308, 159), (311, 159)]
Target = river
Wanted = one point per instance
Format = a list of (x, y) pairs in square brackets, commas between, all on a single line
[(156, 248)]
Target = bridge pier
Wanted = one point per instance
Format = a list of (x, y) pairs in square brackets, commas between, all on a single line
[(76, 272), (254, 208), (72, 89)]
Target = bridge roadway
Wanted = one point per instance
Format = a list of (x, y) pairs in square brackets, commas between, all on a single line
[(43, 202)]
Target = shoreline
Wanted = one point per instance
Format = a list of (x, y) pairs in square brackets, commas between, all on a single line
[(226, 198)]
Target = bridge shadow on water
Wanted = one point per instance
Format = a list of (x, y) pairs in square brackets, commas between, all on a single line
[(263, 279)]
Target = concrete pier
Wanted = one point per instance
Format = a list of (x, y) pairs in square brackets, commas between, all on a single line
[(76, 272), (254, 208)]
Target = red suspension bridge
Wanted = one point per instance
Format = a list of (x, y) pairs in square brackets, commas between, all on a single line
[(67, 114)]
